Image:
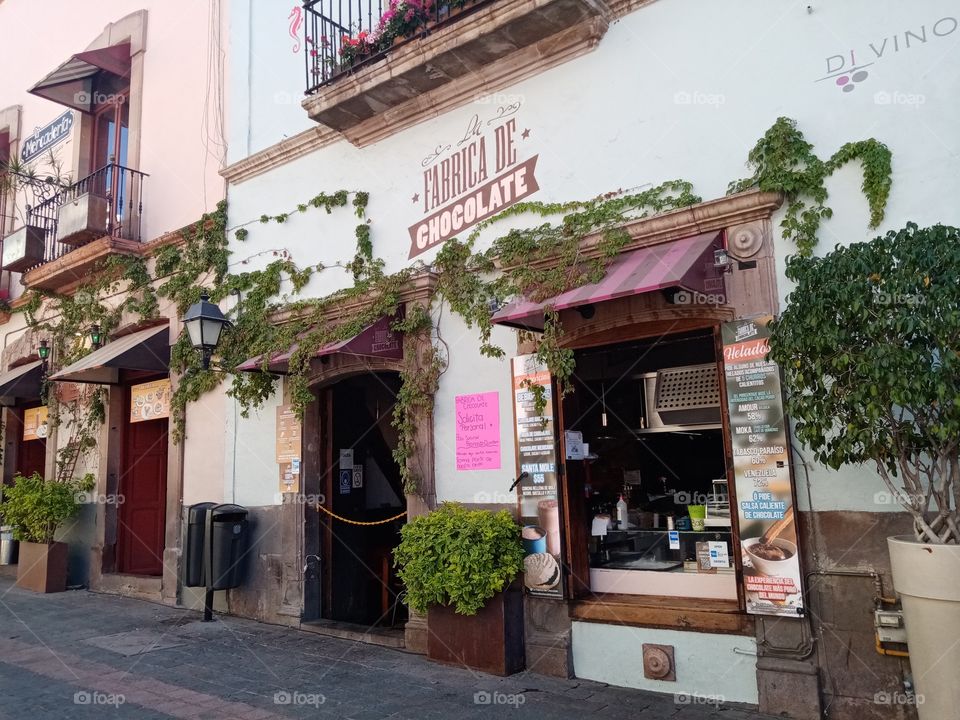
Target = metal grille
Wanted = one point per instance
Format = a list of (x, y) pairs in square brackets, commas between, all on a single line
[(688, 388)]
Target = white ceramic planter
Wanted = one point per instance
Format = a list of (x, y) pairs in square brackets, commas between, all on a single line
[(927, 578)]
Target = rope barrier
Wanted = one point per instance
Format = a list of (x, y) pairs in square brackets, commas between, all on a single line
[(358, 522)]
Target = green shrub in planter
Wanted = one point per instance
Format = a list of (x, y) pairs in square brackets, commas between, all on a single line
[(35, 507), (454, 556)]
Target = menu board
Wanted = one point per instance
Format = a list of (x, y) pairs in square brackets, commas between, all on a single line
[(761, 463), (288, 448), (478, 431), (538, 493), (150, 401), (35, 423)]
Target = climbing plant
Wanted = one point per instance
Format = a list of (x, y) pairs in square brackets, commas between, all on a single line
[(572, 246), (784, 162)]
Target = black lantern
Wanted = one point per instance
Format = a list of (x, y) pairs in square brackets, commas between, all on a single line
[(96, 337), (44, 350), (204, 323)]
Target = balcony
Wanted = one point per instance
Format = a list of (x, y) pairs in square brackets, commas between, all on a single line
[(66, 234), (371, 71)]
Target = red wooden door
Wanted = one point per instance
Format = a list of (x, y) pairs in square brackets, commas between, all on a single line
[(31, 454), (31, 457), (143, 484)]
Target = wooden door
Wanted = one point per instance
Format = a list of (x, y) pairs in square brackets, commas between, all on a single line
[(31, 454), (141, 516)]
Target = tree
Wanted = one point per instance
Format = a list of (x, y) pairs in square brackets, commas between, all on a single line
[(870, 350)]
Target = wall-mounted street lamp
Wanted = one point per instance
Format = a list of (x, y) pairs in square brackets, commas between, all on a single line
[(43, 352), (205, 322), (96, 337)]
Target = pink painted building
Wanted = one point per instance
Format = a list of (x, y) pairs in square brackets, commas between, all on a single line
[(111, 139)]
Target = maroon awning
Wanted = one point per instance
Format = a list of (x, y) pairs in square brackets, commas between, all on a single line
[(686, 264), (74, 83), (378, 339)]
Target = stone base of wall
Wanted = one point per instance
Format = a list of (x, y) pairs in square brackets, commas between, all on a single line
[(854, 679), (547, 624)]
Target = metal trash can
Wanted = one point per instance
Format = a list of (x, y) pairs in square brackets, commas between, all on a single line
[(228, 530), (8, 546), (194, 545)]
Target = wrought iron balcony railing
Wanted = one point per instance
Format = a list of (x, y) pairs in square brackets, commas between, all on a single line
[(108, 202), (342, 35)]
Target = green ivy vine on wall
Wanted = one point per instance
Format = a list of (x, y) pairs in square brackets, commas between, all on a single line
[(537, 262)]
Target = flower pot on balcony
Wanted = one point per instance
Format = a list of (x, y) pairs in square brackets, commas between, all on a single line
[(42, 567), (83, 218), (23, 249), (491, 641), (926, 578)]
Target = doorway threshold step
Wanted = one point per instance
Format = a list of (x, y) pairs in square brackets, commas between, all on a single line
[(385, 637)]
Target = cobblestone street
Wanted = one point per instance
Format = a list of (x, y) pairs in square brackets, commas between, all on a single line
[(82, 655)]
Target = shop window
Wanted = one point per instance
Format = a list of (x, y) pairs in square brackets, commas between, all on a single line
[(651, 509)]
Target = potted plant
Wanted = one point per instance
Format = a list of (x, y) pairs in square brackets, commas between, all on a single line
[(35, 508), (870, 350), (459, 567)]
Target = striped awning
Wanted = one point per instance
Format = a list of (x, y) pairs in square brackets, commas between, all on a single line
[(686, 264), (378, 339), (74, 82)]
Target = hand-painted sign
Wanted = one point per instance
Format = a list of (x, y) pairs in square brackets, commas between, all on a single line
[(538, 491), (478, 431), (761, 466), (46, 137), (35, 423), (474, 181), (150, 401)]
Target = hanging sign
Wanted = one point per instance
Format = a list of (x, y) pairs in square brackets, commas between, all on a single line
[(478, 431), (761, 464), (150, 401), (538, 492), (46, 137), (35, 423)]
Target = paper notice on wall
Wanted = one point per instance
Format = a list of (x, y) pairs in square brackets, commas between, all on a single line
[(573, 442), (35, 423), (346, 459), (478, 431), (150, 401), (290, 477), (761, 467), (288, 434)]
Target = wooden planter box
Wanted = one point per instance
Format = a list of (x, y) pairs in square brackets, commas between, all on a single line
[(491, 640), (83, 219), (23, 249), (42, 568)]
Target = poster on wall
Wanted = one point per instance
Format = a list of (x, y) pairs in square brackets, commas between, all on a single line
[(288, 448), (538, 490), (478, 431), (761, 463), (35, 423), (150, 401)]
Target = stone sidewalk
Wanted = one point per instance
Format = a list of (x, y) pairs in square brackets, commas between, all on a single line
[(82, 655)]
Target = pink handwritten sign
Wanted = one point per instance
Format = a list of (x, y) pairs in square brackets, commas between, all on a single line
[(478, 431)]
